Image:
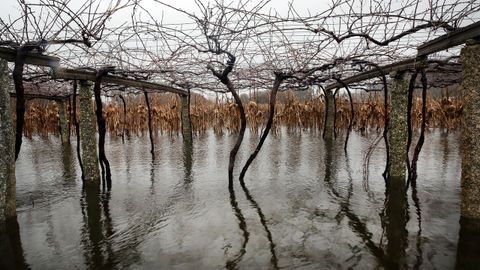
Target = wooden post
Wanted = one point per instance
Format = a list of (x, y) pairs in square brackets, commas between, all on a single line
[(186, 121), (7, 149), (397, 134), (329, 125), (88, 136), (63, 124), (470, 143)]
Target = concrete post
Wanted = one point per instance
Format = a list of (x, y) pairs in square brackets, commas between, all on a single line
[(63, 124), (329, 127), (88, 136), (470, 144), (398, 131), (186, 122), (7, 149)]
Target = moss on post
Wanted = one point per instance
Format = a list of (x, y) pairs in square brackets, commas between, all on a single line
[(186, 122), (470, 90), (398, 131), (329, 125), (7, 148), (63, 124), (88, 137)]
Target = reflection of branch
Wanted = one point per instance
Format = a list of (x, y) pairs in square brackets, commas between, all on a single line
[(232, 264), (274, 259)]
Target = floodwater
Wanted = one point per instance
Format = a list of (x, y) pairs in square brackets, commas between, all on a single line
[(308, 206)]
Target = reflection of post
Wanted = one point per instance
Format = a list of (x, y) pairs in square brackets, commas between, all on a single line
[(63, 125), (93, 228), (186, 122), (470, 58), (188, 161), (7, 150), (329, 126), (11, 250), (468, 244), (398, 126), (395, 220), (67, 162), (88, 136)]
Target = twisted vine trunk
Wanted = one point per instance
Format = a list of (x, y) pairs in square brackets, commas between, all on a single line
[(102, 130), (20, 97), (268, 127), (77, 127), (147, 101)]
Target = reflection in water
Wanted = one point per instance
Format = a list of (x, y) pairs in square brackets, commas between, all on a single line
[(355, 222), (418, 211), (395, 220), (96, 232), (232, 263), (11, 251), (273, 260), (468, 249), (187, 149), (188, 223)]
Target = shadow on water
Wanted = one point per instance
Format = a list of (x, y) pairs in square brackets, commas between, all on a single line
[(468, 249), (394, 215), (11, 251)]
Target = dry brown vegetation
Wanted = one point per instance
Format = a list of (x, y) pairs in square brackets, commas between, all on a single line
[(222, 116)]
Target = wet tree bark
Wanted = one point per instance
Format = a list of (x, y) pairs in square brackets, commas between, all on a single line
[(63, 125), (7, 150), (186, 121), (152, 147), (273, 99), (398, 129), (88, 137), (77, 128), (470, 144), (329, 125), (124, 122), (20, 99), (102, 129)]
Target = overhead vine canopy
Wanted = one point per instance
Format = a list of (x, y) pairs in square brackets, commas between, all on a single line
[(162, 42)]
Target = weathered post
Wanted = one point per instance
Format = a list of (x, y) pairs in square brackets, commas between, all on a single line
[(398, 130), (88, 136), (186, 121), (7, 149), (63, 124), (470, 144), (329, 125)]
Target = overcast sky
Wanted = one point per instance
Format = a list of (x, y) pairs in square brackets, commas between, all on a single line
[(11, 7)]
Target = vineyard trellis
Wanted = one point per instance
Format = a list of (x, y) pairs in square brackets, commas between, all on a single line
[(230, 48)]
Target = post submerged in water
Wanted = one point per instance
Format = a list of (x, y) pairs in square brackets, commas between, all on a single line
[(470, 143), (62, 121), (398, 126), (88, 136), (186, 121)]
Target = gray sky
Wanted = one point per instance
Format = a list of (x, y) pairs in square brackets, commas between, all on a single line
[(11, 7)]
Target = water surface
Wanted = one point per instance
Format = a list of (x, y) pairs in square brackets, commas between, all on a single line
[(308, 206)]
